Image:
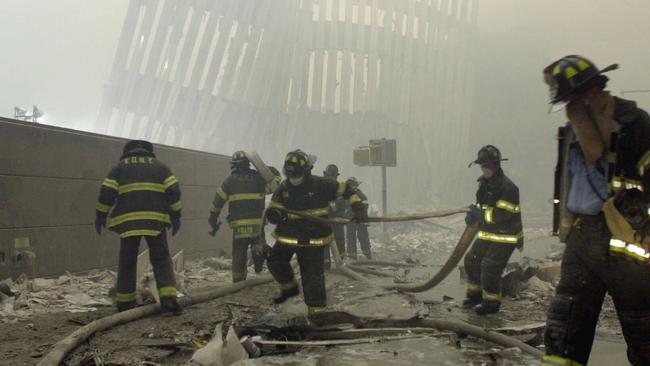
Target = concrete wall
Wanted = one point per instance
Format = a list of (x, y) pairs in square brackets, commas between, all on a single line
[(49, 182)]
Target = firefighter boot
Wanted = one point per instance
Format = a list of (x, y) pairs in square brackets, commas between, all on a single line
[(124, 306), (487, 307), (317, 316), (472, 300), (169, 304), (288, 291)]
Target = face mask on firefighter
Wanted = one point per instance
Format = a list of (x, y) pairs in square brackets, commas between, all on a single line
[(296, 181), (489, 170)]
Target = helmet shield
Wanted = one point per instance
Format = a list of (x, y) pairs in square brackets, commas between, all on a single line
[(573, 75)]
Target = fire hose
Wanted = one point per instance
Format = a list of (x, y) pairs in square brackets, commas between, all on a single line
[(461, 247)]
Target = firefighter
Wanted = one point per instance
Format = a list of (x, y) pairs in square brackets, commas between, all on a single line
[(500, 232), (144, 199), (245, 190), (338, 210), (608, 159), (356, 230), (310, 194)]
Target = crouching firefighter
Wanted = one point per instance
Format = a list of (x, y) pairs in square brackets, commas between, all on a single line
[(144, 199), (245, 190), (500, 232), (309, 194), (605, 152)]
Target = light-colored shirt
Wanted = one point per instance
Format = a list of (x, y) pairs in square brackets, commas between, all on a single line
[(582, 198)]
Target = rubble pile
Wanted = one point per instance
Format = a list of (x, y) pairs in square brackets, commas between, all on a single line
[(24, 298), (68, 293)]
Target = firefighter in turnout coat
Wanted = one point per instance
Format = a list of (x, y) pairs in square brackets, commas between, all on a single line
[(144, 199)]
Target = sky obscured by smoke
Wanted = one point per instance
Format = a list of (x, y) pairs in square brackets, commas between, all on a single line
[(58, 55)]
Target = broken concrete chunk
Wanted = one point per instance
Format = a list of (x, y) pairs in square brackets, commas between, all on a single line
[(537, 285), (219, 352)]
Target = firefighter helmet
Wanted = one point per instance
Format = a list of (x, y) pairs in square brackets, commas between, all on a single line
[(297, 164), (353, 182), (573, 75), (138, 144), (331, 171), (239, 158), (488, 154)]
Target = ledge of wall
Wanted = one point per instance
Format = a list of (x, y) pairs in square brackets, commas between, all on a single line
[(49, 182)]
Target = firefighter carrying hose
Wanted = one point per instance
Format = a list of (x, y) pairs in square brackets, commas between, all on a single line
[(338, 210), (497, 210), (357, 230), (145, 199), (309, 194), (244, 190), (608, 158)]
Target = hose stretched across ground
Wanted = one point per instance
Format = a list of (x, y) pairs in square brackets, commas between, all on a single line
[(413, 217), (463, 244), (61, 349)]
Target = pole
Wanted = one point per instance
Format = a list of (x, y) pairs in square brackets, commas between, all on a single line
[(384, 197)]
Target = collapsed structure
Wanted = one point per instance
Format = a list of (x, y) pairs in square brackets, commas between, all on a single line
[(273, 75)]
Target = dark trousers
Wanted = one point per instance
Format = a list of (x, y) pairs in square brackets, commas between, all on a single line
[(310, 260), (339, 238), (160, 261), (240, 258), (484, 265), (359, 231), (588, 272)]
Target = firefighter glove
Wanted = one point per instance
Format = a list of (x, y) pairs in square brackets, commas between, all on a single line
[(214, 223), (474, 215), (275, 215), (632, 205), (100, 222), (176, 224)]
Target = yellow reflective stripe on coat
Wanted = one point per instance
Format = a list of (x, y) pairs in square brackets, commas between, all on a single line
[(130, 233), (473, 287), (323, 211), (154, 187), (245, 196), (111, 183), (222, 194), (170, 181), (131, 296), (341, 189), (167, 291), (354, 199), (275, 204), (244, 222), (489, 211), (215, 210), (552, 360), (176, 206), (490, 296), (643, 163), (289, 285), (619, 183), (294, 241), (316, 309), (500, 238), (631, 250), (140, 215), (102, 207), (508, 206)]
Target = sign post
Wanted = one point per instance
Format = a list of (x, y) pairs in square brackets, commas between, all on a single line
[(382, 153)]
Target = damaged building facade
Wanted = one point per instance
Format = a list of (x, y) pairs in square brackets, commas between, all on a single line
[(322, 75)]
